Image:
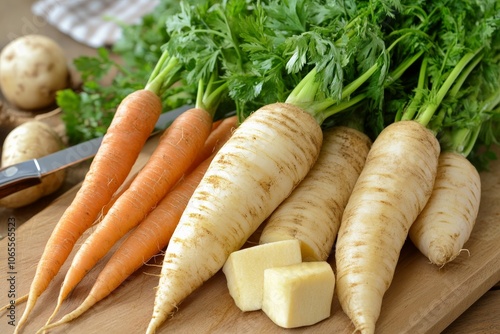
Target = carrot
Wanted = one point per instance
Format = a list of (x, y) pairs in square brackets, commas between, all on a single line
[(105, 209), (151, 235), (176, 150), (101, 214), (216, 124), (312, 213), (244, 183), (213, 141), (205, 152), (446, 222), (132, 124)]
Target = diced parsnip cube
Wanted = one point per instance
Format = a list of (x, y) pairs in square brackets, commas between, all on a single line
[(298, 295), (244, 270)]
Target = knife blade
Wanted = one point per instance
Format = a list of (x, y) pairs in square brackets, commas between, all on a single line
[(30, 173)]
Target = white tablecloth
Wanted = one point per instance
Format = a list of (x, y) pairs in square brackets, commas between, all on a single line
[(92, 22)]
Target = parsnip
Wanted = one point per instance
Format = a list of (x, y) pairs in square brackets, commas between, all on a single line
[(445, 224), (312, 213), (260, 165), (390, 192), (398, 178), (275, 147)]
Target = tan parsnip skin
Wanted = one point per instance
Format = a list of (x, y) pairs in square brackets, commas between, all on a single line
[(392, 189), (445, 224), (312, 213), (267, 156)]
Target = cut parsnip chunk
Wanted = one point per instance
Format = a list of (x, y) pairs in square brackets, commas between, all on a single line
[(244, 270), (298, 295)]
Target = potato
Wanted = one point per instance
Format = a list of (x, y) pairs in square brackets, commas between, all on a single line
[(32, 69), (244, 270), (30, 140), (299, 294)]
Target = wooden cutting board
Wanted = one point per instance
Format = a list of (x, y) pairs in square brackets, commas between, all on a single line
[(421, 299)]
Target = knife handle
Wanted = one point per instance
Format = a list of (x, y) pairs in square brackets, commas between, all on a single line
[(20, 176)]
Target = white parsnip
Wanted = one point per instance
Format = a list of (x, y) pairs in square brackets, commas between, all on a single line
[(445, 224), (312, 213), (390, 192), (265, 159)]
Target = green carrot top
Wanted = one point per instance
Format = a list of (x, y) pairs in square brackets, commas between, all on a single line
[(323, 56), (462, 33)]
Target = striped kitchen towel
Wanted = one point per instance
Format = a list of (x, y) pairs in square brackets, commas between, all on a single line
[(92, 22)]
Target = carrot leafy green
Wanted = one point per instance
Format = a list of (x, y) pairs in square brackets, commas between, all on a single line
[(113, 73), (385, 60)]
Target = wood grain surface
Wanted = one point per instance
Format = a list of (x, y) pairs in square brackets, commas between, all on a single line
[(421, 299)]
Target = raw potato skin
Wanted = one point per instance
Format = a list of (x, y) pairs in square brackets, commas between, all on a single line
[(393, 188), (32, 69), (33, 139), (312, 213), (444, 226)]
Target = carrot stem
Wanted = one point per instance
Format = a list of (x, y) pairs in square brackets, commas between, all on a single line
[(159, 64), (412, 108), (307, 93), (209, 96), (165, 73), (402, 67), (425, 115), (346, 104)]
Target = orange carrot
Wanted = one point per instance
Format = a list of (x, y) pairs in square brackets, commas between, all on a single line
[(210, 144), (115, 197), (218, 133), (176, 151), (153, 233), (216, 124), (132, 124)]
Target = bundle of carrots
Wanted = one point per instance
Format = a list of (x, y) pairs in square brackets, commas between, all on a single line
[(341, 107), (179, 148)]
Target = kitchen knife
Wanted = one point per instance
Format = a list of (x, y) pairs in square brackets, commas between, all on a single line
[(29, 173)]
